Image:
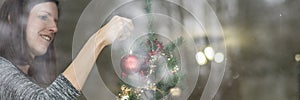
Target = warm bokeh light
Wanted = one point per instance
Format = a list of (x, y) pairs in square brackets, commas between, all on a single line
[(297, 57), (209, 53), (201, 59), (219, 57), (175, 91)]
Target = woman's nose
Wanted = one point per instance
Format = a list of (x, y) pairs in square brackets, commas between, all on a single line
[(53, 27)]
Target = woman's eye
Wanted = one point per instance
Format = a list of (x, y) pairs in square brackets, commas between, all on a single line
[(43, 17)]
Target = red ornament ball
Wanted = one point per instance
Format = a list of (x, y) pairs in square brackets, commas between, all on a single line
[(130, 64)]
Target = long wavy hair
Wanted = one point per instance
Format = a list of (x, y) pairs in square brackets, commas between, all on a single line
[(13, 45)]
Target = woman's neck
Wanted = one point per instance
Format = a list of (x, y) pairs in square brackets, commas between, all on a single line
[(24, 68)]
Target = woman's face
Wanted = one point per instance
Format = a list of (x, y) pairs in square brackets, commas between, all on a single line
[(41, 27)]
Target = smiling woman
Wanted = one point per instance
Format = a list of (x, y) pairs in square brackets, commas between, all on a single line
[(21, 43), (41, 28), (27, 57)]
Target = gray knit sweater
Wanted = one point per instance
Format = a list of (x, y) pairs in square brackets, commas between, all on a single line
[(14, 85)]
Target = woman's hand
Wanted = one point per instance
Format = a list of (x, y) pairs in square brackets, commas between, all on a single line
[(117, 28)]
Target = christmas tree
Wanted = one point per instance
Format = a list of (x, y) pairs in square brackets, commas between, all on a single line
[(153, 67)]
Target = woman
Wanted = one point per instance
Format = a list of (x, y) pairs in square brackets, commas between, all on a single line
[(27, 57)]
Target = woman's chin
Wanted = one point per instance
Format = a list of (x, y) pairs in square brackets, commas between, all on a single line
[(40, 52)]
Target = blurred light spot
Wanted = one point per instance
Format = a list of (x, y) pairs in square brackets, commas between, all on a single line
[(280, 14), (219, 57), (297, 57), (130, 51), (209, 53), (201, 59), (175, 91)]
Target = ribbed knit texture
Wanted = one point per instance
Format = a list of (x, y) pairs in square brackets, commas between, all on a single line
[(14, 85)]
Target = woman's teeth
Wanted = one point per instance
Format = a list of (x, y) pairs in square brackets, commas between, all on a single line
[(48, 38)]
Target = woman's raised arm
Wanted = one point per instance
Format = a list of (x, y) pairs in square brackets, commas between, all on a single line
[(78, 71)]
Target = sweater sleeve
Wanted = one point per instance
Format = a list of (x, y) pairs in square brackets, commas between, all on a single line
[(14, 85)]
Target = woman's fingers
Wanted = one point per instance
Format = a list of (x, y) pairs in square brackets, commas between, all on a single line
[(127, 29), (117, 28)]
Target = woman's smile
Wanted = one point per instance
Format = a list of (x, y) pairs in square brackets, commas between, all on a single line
[(46, 37)]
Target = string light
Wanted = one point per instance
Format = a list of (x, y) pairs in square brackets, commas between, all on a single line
[(175, 91)]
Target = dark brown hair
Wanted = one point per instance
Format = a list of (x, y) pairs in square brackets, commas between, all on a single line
[(13, 45)]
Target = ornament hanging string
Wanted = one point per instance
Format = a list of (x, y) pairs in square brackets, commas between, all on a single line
[(150, 23), (149, 16)]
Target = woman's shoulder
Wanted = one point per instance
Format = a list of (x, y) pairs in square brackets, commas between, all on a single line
[(7, 70), (4, 63)]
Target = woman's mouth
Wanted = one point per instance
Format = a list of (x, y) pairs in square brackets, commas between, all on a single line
[(46, 37)]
